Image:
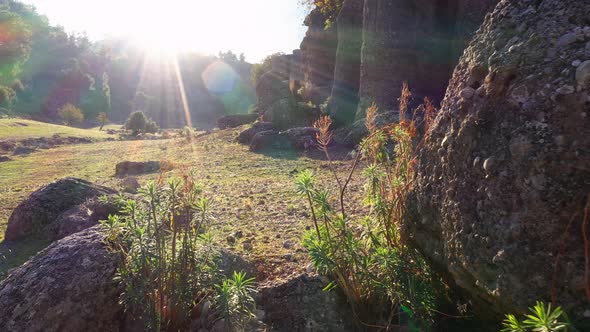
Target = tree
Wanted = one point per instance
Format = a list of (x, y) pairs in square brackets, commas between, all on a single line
[(262, 68), (71, 115), (136, 122), (102, 117)]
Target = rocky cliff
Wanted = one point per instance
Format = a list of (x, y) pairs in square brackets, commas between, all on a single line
[(503, 176)]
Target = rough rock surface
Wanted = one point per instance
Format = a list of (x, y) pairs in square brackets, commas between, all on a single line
[(66, 287), (344, 97), (275, 101), (318, 50), (235, 120), (299, 304), (81, 217), (43, 206), (299, 138), (246, 136), (415, 41), (125, 168), (505, 168)]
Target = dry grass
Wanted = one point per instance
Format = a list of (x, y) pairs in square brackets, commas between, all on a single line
[(254, 193)]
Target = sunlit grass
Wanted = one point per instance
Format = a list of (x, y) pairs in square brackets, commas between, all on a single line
[(253, 193), (21, 129)]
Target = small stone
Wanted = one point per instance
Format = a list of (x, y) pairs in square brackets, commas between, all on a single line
[(576, 63), (488, 164), (567, 39), (587, 313), (583, 74), (476, 161), (288, 244), (467, 93), (247, 245), (565, 90), (230, 239)]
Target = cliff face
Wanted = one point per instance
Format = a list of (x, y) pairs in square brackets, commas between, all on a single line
[(344, 97), (507, 164)]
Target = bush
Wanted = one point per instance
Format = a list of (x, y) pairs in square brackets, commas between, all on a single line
[(381, 275), (139, 123), (169, 263), (70, 114)]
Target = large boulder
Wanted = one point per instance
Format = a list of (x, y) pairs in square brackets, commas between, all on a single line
[(235, 120), (125, 168), (246, 136), (41, 208), (299, 138), (507, 163), (66, 287), (344, 96), (81, 217)]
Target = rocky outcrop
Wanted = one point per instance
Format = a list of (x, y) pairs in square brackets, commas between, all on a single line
[(246, 136), (235, 120), (413, 41), (507, 163), (344, 97), (39, 211), (299, 138), (318, 55), (67, 287), (125, 168), (81, 217)]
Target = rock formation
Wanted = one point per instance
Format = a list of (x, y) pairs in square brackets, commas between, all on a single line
[(344, 97), (319, 54), (67, 287), (507, 163), (42, 207)]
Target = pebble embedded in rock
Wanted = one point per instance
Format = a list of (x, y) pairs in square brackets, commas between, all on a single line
[(567, 39), (467, 93), (488, 164), (583, 74), (565, 90)]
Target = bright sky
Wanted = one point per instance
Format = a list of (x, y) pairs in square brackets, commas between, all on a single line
[(254, 27)]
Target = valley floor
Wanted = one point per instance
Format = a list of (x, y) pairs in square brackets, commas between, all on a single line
[(254, 194)]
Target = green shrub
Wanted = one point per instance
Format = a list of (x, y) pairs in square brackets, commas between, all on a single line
[(138, 122), (381, 275), (169, 263), (71, 115), (235, 301)]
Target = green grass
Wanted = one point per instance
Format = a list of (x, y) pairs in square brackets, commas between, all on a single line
[(16, 129), (253, 193)]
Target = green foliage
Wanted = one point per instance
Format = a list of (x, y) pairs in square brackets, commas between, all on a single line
[(139, 123), (71, 115), (541, 319), (169, 262), (235, 300), (262, 68), (14, 45), (328, 8), (380, 274)]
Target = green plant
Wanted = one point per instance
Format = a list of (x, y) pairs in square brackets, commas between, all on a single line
[(71, 115), (541, 319), (138, 122), (382, 276), (168, 260), (235, 300)]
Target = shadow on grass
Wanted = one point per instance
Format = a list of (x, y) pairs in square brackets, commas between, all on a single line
[(14, 254)]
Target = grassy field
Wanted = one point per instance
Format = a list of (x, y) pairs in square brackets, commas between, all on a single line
[(15, 129), (253, 193)]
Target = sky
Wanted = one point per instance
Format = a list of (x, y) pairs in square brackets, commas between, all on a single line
[(255, 27)]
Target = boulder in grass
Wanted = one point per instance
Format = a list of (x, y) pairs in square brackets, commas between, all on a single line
[(246, 136), (66, 287), (236, 120), (125, 168), (81, 217), (42, 207)]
